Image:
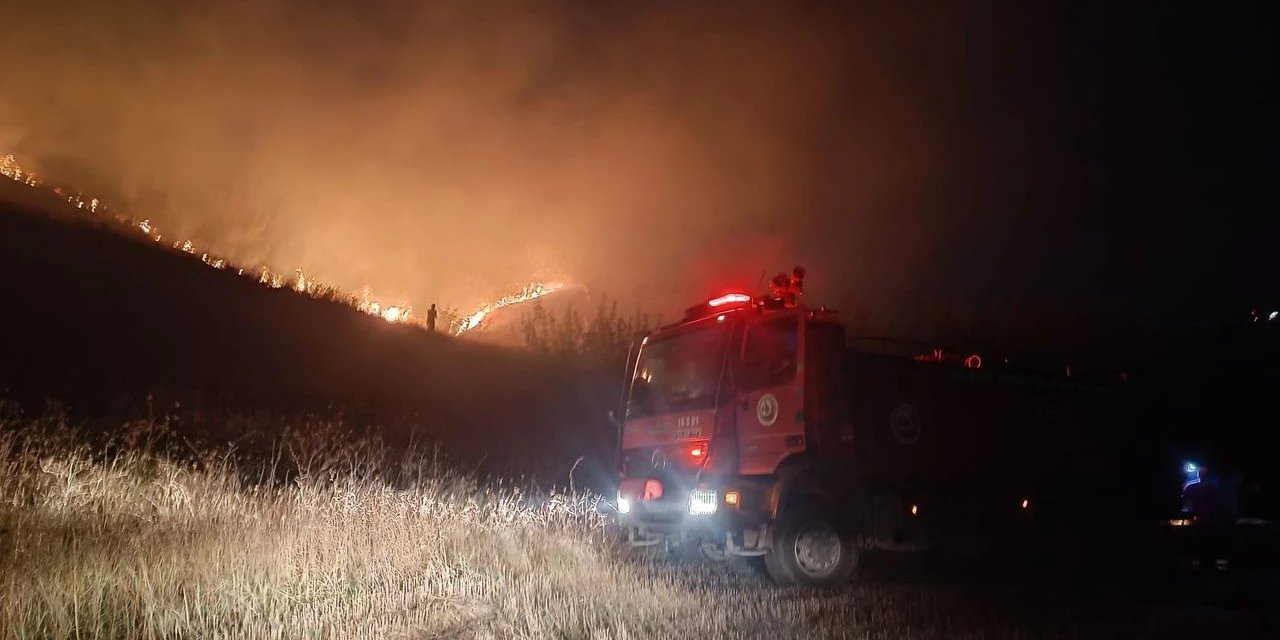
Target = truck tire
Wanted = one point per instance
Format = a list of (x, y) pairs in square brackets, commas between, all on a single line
[(809, 549)]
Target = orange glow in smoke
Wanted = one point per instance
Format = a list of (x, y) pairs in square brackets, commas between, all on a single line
[(300, 282)]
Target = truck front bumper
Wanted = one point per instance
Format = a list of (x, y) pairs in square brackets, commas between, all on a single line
[(696, 516)]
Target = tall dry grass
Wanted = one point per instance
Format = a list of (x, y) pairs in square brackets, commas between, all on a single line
[(145, 537)]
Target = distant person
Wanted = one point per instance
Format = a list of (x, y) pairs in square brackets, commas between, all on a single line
[(431, 318), (1212, 499)]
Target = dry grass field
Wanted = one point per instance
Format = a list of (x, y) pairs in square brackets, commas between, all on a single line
[(143, 537)]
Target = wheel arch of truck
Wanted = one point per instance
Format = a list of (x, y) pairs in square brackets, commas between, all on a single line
[(801, 477)]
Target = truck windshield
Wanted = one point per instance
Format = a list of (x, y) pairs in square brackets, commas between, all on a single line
[(679, 372)]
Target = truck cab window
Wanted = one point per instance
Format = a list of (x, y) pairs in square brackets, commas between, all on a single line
[(769, 354), (680, 372)]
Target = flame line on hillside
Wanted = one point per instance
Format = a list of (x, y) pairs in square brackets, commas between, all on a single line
[(530, 292), (301, 283), (310, 286)]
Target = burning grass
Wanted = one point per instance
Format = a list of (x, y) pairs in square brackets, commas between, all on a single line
[(299, 282), (144, 537)]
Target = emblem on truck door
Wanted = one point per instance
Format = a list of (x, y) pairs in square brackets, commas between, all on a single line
[(905, 423), (767, 410)]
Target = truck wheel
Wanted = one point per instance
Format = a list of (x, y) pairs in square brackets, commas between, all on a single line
[(810, 550)]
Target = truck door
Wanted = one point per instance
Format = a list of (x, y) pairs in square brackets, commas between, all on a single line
[(828, 426), (770, 386)]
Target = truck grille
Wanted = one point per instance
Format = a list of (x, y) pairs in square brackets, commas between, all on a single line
[(676, 482)]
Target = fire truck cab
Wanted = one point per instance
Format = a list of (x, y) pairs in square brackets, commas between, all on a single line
[(750, 428), (722, 421)]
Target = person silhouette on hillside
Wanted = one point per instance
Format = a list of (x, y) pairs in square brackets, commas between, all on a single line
[(431, 318)]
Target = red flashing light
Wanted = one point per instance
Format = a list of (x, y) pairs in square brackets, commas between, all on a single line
[(698, 451), (936, 356), (732, 298), (652, 490), (973, 362)]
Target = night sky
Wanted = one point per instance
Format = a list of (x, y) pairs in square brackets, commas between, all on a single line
[(1110, 160)]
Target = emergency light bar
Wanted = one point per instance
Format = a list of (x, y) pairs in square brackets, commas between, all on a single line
[(732, 298), (783, 291), (723, 303)]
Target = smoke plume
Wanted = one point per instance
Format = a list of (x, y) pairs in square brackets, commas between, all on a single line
[(449, 152)]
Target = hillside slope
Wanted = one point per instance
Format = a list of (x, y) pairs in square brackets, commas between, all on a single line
[(100, 320)]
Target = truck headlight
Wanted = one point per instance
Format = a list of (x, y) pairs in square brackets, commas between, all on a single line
[(702, 502), (624, 504)]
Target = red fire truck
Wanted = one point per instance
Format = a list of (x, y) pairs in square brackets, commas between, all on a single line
[(751, 428)]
